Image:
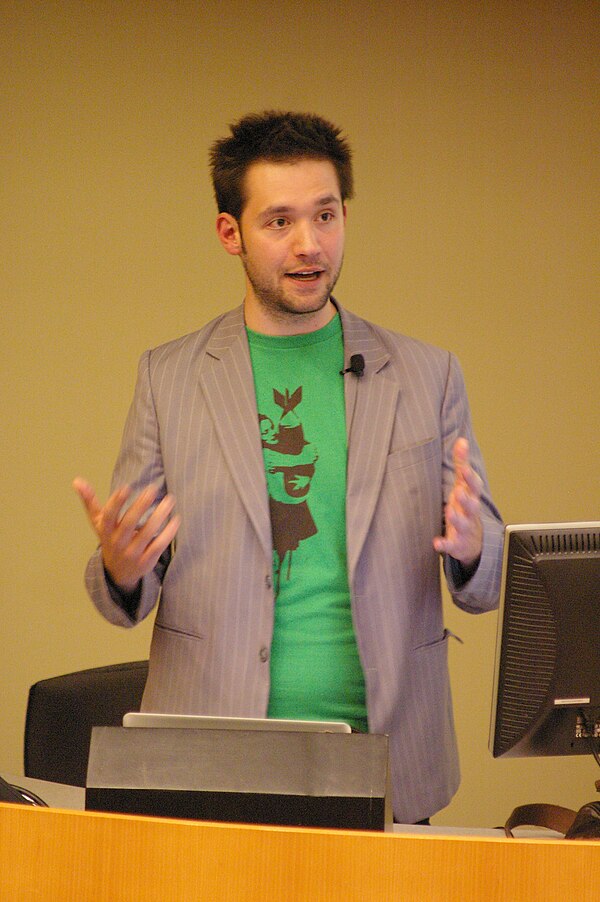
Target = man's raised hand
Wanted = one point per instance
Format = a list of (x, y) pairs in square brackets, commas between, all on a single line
[(129, 550), (463, 538)]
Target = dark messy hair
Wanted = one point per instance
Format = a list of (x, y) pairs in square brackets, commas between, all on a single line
[(275, 138)]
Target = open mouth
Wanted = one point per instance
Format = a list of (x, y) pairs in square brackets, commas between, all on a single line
[(305, 275)]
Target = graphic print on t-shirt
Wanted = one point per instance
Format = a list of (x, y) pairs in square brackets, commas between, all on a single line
[(290, 465)]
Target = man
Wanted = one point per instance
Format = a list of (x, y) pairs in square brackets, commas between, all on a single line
[(299, 576)]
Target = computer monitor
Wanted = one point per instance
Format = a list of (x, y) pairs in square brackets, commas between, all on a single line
[(547, 676)]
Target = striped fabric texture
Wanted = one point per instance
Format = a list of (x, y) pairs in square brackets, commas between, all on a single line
[(193, 429)]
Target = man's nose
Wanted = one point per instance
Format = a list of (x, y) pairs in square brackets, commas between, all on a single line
[(305, 240)]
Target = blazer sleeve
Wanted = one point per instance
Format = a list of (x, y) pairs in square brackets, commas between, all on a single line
[(139, 464), (481, 592)]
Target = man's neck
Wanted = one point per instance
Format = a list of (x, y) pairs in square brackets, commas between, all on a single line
[(269, 322)]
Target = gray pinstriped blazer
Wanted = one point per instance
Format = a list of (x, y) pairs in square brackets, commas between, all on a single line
[(193, 427)]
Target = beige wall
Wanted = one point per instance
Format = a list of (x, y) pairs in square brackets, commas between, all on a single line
[(474, 227)]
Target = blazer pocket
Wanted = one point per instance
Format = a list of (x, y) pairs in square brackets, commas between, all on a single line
[(414, 454), (176, 632), (437, 641)]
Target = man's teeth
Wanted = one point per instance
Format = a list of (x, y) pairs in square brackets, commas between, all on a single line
[(304, 276)]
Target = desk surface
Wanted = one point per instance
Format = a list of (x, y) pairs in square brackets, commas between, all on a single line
[(59, 795), (55, 795)]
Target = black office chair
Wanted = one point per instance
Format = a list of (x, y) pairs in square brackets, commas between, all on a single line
[(62, 710)]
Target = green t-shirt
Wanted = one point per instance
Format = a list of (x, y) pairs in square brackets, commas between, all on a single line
[(315, 668)]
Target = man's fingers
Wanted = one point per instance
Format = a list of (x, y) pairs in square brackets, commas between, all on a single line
[(471, 504), (124, 526), (150, 554), (460, 520), (88, 497), (465, 477), (144, 536), (460, 454), (462, 538), (466, 499), (473, 481), (159, 543), (111, 513), (130, 550)]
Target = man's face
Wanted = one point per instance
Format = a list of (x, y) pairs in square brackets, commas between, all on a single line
[(291, 243)]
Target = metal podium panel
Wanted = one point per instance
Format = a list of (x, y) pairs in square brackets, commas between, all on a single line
[(287, 778)]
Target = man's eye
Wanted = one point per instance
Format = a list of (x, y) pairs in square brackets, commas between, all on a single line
[(278, 223), (326, 216)]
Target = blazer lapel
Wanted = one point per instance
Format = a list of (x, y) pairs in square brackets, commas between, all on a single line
[(228, 385), (371, 402)]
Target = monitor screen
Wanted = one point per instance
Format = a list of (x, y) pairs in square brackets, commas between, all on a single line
[(547, 675)]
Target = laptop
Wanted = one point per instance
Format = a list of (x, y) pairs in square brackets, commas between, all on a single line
[(208, 722)]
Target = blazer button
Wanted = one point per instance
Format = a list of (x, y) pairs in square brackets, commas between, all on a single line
[(264, 654), (269, 582)]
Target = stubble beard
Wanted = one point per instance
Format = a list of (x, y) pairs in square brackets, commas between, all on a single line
[(278, 305)]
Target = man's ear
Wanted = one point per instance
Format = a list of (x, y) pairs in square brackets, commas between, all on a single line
[(229, 233)]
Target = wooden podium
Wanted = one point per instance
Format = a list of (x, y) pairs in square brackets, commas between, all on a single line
[(76, 856)]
